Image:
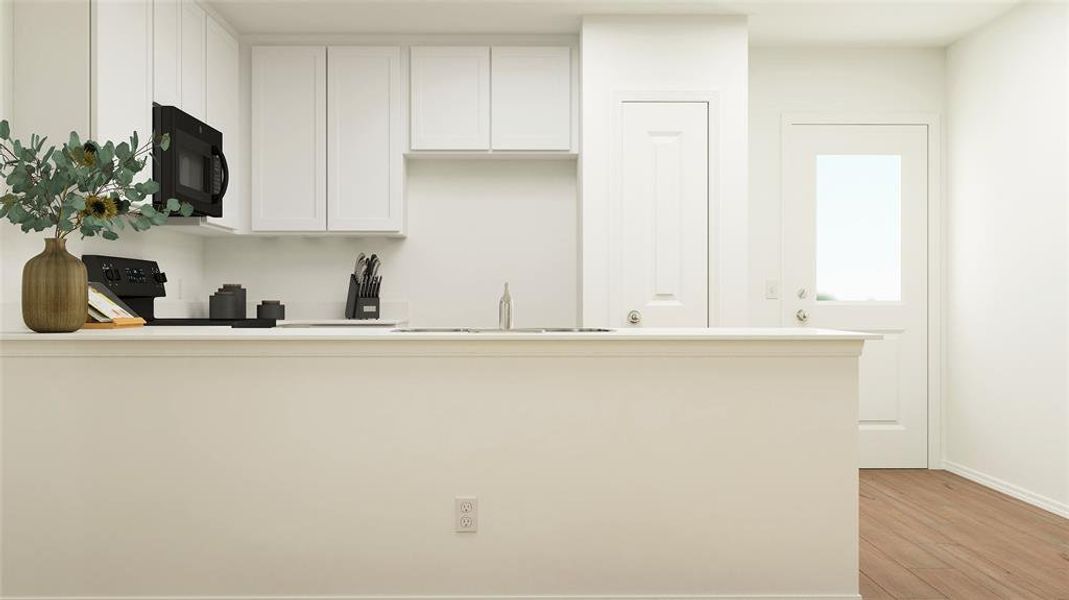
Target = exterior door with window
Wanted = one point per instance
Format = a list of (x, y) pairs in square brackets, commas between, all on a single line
[(855, 257)]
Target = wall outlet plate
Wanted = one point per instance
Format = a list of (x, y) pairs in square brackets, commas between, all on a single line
[(466, 514)]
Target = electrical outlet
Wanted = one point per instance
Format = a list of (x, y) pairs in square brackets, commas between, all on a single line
[(466, 514), (772, 289)]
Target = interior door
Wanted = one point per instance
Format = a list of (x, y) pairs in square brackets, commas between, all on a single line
[(855, 206), (664, 205)]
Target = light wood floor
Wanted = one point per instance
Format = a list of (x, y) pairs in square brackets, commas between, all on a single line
[(931, 534)]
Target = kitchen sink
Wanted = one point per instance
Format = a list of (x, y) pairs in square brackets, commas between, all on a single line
[(495, 330)]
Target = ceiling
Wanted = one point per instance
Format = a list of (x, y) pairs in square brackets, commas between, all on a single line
[(772, 22)]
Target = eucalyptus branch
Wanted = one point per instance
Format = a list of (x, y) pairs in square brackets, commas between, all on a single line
[(62, 187)]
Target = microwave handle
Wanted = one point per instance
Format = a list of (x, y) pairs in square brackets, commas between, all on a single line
[(226, 171)]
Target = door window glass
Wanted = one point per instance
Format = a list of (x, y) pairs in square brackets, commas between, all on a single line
[(859, 228)]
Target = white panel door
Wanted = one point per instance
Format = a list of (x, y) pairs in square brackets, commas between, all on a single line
[(450, 98), (364, 140), (664, 209), (532, 98), (222, 102), (167, 52), (193, 61), (855, 206), (289, 147)]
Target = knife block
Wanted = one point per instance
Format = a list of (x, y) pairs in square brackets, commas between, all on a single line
[(357, 306), (367, 308)]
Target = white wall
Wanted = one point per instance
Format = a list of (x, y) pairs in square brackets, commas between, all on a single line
[(834, 80), (472, 225), (680, 53), (6, 39), (50, 95), (1006, 411)]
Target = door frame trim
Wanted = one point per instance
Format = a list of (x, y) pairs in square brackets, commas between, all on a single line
[(711, 99), (936, 246)]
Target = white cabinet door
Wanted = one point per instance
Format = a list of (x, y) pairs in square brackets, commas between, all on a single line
[(289, 123), (167, 52), (532, 98), (364, 140), (450, 98), (223, 113), (193, 63), (664, 204), (122, 73)]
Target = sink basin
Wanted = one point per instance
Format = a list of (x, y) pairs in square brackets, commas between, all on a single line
[(433, 330), (493, 330)]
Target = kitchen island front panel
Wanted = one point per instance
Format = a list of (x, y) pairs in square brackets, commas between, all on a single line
[(708, 467)]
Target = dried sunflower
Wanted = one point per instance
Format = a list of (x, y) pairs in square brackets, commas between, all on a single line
[(101, 207), (89, 154)]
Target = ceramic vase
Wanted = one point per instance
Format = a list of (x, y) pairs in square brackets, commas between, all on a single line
[(54, 290)]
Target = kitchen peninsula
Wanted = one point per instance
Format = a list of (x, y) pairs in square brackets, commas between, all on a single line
[(324, 462)]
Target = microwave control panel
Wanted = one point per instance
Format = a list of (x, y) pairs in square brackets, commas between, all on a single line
[(126, 277)]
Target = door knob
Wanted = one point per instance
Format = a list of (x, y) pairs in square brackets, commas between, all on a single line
[(634, 317), (801, 315)]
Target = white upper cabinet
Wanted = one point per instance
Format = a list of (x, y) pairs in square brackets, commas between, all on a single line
[(450, 98), (364, 140), (178, 55), (193, 63), (167, 52), (532, 98), (222, 109), (289, 114), (122, 73)]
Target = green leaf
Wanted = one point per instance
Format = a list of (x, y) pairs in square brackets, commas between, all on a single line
[(165, 142), (150, 187), (106, 154), (110, 235), (173, 205), (186, 210), (147, 210), (76, 202), (5, 130), (17, 213), (75, 141), (159, 218)]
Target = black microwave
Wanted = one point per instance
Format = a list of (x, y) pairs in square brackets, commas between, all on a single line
[(193, 169)]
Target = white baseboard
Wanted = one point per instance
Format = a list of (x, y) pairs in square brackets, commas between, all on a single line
[(625, 597), (1048, 504)]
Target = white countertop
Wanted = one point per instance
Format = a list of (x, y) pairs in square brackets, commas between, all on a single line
[(360, 334)]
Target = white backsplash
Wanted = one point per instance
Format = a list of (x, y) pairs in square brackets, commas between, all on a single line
[(472, 225)]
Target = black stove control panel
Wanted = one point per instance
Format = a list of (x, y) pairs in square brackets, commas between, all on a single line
[(127, 277)]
